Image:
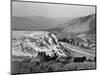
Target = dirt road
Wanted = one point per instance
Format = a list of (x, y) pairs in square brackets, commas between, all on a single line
[(88, 52)]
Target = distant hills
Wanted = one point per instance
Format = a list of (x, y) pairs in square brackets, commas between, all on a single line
[(36, 22), (62, 26), (85, 24)]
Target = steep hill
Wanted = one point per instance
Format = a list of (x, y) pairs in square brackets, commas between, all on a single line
[(83, 24)]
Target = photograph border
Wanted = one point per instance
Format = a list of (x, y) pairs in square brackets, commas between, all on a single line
[(59, 4)]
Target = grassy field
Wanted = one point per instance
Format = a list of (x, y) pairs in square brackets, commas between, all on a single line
[(51, 66)]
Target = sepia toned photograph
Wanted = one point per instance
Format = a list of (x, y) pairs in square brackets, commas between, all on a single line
[(52, 37)]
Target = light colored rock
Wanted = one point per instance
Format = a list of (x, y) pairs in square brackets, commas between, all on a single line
[(30, 43)]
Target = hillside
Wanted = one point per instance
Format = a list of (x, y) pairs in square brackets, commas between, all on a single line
[(82, 24), (86, 24), (83, 28)]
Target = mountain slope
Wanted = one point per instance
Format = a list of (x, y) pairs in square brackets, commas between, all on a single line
[(86, 24), (82, 24)]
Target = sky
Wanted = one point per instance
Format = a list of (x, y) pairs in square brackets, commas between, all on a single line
[(50, 10)]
